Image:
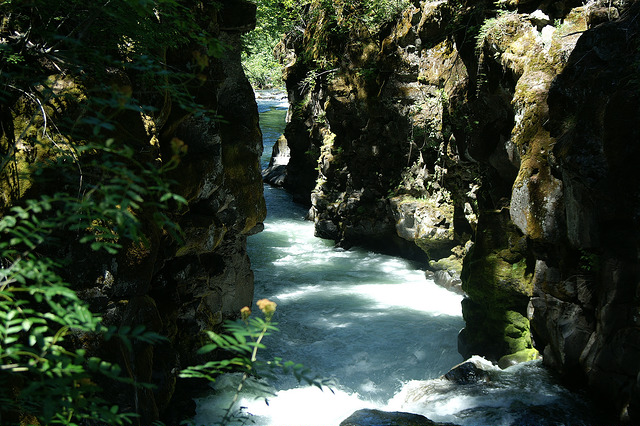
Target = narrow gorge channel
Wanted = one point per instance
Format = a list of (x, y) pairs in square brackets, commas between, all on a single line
[(377, 326), (495, 144)]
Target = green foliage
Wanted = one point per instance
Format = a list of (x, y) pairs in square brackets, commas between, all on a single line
[(494, 27), (274, 19), (327, 19), (331, 26), (40, 375), (242, 341), (74, 76), (262, 68), (379, 12), (370, 15), (589, 262), (73, 177)]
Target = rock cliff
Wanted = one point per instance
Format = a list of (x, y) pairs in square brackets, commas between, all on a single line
[(500, 140), (176, 290), (586, 285)]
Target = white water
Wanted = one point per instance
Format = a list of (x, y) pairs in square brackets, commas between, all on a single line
[(374, 324)]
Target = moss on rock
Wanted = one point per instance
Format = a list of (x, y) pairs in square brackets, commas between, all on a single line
[(498, 277), (523, 355)]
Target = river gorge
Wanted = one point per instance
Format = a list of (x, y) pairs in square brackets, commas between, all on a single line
[(454, 181), (354, 316)]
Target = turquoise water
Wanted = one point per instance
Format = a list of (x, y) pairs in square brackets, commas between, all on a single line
[(376, 326)]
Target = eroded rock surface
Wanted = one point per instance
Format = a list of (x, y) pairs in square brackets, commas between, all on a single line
[(505, 137), (585, 307)]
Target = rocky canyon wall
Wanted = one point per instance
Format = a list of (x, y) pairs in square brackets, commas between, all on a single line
[(499, 140), (176, 290)]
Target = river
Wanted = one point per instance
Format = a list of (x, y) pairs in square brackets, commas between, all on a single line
[(375, 325)]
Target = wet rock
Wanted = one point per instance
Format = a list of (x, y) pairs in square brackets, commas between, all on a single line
[(326, 229), (449, 280), (276, 173), (497, 278), (469, 372), (446, 273), (367, 417), (524, 355)]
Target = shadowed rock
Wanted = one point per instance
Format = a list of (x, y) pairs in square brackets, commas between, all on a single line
[(467, 373), (368, 417)]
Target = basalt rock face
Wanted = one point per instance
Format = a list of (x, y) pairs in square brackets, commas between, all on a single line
[(586, 311), (181, 290), (194, 287), (505, 138), (368, 142)]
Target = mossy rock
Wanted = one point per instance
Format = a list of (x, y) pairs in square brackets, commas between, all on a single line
[(451, 263), (517, 332), (498, 278), (500, 291), (32, 147), (521, 356), (243, 177), (493, 278), (494, 331)]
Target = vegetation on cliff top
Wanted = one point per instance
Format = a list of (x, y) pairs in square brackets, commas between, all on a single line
[(275, 18)]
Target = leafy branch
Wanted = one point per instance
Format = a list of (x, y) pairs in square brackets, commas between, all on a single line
[(72, 178), (243, 339)]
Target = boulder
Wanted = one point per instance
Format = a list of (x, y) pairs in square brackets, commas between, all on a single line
[(368, 417), (427, 222), (276, 173), (474, 370), (516, 358), (445, 272)]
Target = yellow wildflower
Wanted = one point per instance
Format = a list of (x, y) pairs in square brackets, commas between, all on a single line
[(267, 307), (245, 313)]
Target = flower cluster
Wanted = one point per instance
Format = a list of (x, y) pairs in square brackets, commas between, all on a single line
[(245, 313), (267, 307)]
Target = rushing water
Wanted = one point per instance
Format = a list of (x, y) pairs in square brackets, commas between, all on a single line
[(374, 324)]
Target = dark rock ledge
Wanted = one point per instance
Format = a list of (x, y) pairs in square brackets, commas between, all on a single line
[(369, 417)]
